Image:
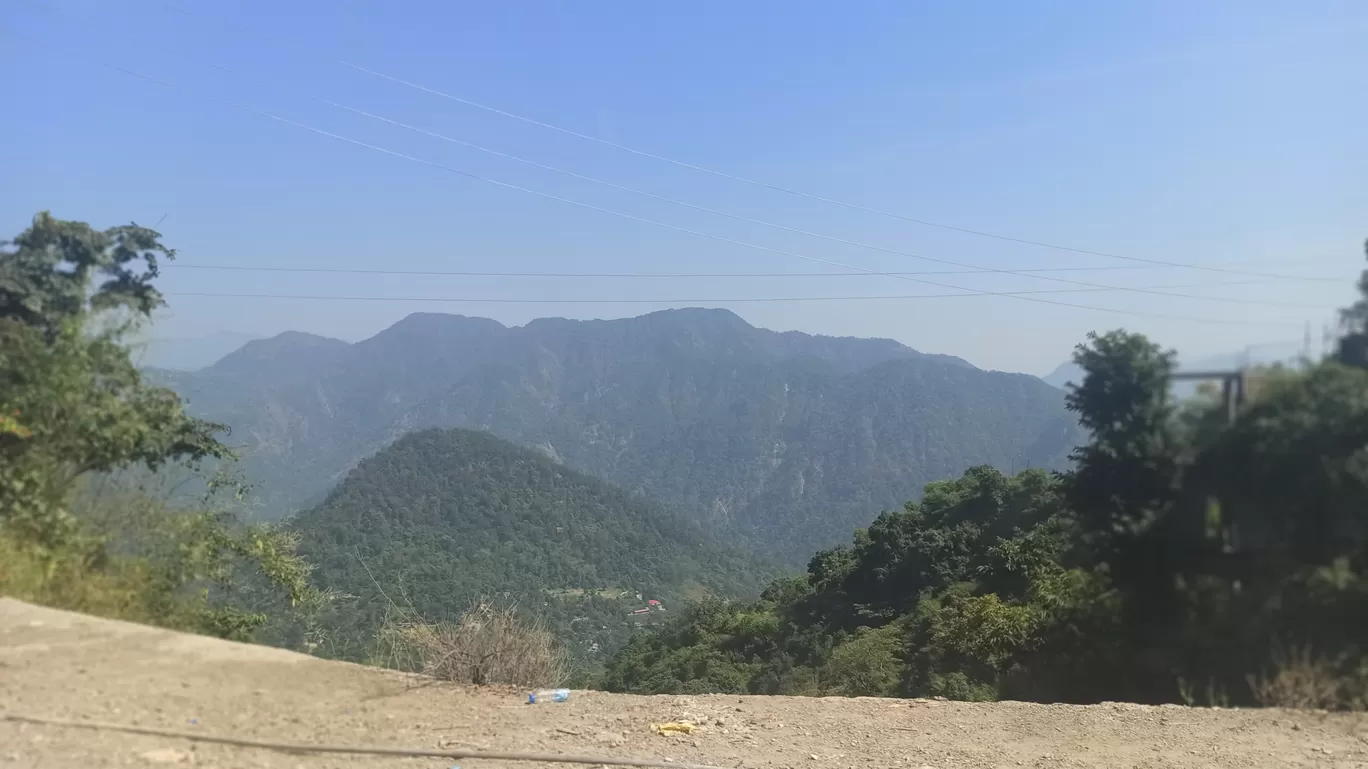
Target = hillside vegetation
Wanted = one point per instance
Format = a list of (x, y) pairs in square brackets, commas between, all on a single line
[(1187, 554), (785, 439), (1183, 558), (88, 450), (443, 518)]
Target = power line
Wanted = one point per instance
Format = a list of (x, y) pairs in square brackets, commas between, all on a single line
[(478, 274), (715, 212), (774, 225), (337, 105), (631, 217), (809, 196), (727, 300)]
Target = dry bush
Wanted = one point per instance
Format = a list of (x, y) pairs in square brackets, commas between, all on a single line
[(487, 645), (1302, 680)]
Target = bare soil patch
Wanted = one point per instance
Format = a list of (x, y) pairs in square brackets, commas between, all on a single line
[(63, 665)]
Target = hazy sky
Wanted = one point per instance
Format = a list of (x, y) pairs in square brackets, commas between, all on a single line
[(1220, 133)]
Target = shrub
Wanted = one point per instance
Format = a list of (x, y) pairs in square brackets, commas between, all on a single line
[(487, 645), (1302, 680), (869, 664), (126, 554)]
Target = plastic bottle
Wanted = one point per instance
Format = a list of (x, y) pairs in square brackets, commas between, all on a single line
[(548, 695)]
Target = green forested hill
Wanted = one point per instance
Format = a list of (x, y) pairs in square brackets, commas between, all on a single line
[(786, 440), (443, 517)]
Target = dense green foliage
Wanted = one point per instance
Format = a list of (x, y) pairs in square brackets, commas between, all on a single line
[(442, 518), (1183, 557), (787, 440), (929, 599), (79, 417), (1186, 554)]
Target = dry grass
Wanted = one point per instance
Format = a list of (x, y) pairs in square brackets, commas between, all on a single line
[(1303, 680), (487, 645)]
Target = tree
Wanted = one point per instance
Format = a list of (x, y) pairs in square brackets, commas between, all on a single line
[(75, 402), (47, 272), (75, 408), (1127, 475), (1353, 344)]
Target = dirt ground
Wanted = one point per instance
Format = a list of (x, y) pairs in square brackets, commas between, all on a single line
[(60, 665)]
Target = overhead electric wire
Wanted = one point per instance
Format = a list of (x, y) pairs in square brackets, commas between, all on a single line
[(337, 105), (785, 228), (632, 217), (725, 300), (479, 274), (710, 236), (810, 196), (704, 209)]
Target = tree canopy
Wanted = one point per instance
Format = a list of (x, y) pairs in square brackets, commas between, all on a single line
[(1183, 557), (76, 409)]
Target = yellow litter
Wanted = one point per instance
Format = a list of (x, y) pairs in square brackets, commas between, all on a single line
[(675, 727)]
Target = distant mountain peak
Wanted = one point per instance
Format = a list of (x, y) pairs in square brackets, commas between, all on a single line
[(1064, 374), (293, 348), (189, 353), (301, 338), (428, 322), (691, 317), (697, 314)]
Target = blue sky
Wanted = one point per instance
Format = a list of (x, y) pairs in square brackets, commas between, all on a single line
[(1213, 133)]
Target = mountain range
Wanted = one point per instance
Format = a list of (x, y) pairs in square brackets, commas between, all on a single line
[(786, 440)]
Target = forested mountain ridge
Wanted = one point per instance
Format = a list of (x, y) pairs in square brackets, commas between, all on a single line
[(445, 517), (786, 438)]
